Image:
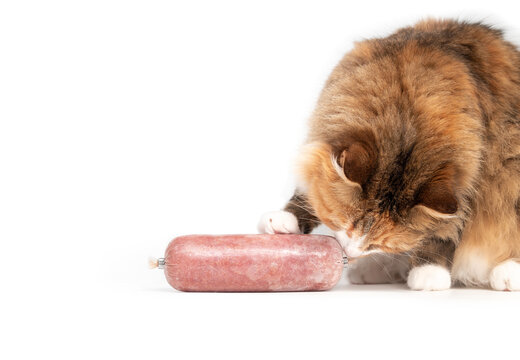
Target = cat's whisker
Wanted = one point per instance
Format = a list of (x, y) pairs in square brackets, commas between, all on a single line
[(383, 267)]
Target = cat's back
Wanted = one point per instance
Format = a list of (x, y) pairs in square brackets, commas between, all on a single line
[(436, 69), (475, 44)]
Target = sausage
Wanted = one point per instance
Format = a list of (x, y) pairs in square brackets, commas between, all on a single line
[(281, 262)]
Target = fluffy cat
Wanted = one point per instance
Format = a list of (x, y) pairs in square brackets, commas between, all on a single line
[(413, 151)]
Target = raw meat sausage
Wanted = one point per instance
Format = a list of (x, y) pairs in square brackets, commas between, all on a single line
[(281, 262)]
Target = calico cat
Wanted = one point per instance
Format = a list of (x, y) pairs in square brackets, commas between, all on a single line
[(413, 158)]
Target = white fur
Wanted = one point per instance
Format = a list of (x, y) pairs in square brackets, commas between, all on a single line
[(352, 244), (429, 277), (505, 276), (378, 269), (472, 269), (278, 222), (434, 213)]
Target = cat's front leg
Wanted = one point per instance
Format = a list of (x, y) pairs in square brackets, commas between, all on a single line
[(431, 264), (297, 217), (379, 269)]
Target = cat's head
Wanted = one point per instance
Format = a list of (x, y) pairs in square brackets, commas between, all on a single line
[(378, 198)]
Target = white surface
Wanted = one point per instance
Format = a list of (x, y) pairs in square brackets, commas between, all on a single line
[(126, 123)]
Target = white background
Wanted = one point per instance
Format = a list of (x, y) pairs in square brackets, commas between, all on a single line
[(127, 123)]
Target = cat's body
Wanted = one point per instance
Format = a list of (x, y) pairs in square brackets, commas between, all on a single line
[(414, 149)]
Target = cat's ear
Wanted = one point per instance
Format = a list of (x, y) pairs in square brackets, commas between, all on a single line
[(358, 161), (437, 197)]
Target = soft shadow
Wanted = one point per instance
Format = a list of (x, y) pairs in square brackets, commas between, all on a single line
[(165, 289), (370, 287)]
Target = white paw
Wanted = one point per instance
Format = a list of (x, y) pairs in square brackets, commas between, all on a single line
[(378, 269), (278, 222), (505, 276), (429, 277)]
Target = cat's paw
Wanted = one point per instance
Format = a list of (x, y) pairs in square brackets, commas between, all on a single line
[(278, 222), (506, 276), (429, 277)]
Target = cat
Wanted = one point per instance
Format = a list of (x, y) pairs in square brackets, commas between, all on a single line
[(413, 159)]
